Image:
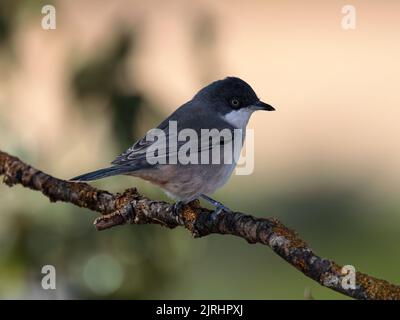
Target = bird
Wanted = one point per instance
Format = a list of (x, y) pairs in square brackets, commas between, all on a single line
[(225, 105)]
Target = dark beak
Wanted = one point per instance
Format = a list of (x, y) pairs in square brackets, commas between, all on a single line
[(259, 105)]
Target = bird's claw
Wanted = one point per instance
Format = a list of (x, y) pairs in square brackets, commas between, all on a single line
[(218, 210), (177, 207), (219, 207)]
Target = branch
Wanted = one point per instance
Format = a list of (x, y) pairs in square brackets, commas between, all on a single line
[(131, 207)]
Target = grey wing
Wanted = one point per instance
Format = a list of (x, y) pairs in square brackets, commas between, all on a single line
[(138, 153)]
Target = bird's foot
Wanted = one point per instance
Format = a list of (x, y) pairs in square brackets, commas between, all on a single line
[(219, 207), (177, 207)]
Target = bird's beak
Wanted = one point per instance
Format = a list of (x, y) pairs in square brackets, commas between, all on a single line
[(259, 105)]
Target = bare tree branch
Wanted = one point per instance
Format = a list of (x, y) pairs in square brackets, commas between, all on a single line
[(132, 207)]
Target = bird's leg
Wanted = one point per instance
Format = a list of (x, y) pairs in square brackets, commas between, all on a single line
[(219, 207), (177, 207)]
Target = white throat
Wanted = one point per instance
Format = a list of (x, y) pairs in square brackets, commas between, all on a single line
[(238, 118)]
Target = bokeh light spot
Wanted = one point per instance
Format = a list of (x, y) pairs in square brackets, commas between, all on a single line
[(103, 274)]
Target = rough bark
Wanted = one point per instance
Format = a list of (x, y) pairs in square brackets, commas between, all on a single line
[(134, 208)]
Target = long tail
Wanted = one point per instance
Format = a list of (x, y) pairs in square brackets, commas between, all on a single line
[(103, 173)]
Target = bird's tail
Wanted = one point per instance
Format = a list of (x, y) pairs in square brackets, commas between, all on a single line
[(103, 173)]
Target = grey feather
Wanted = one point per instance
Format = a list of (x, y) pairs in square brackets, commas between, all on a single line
[(103, 173)]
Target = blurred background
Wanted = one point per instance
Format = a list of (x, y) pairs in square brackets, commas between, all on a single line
[(326, 163)]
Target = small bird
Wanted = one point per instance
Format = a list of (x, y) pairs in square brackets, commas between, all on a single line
[(223, 105)]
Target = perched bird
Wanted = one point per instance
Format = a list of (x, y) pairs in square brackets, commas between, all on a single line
[(225, 105)]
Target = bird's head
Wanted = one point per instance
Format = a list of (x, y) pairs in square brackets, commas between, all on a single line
[(233, 99)]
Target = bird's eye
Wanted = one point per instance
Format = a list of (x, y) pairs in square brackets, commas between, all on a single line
[(235, 103)]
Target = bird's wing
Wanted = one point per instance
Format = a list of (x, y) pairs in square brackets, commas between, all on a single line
[(139, 152)]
